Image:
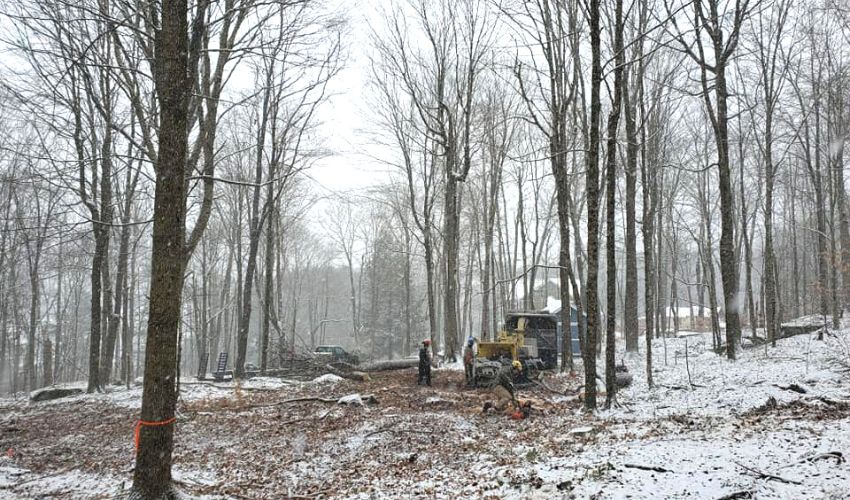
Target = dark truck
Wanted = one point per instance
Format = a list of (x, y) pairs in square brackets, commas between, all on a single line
[(336, 353), (542, 330)]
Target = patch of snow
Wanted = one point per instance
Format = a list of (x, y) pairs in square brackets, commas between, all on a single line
[(810, 320), (194, 476), (265, 383), (9, 473), (708, 466), (351, 399), (722, 387), (328, 378), (457, 366), (71, 484)]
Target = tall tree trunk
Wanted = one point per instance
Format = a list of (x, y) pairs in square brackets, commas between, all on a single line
[(630, 310), (450, 243), (268, 298), (108, 348), (728, 267), (30, 375), (562, 186), (56, 369), (610, 209), (247, 291), (660, 264), (152, 474), (120, 292), (746, 237), (844, 225), (47, 363), (128, 332), (592, 186), (770, 268), (6, 273), (408, 290), (101, 247), (649, 287)]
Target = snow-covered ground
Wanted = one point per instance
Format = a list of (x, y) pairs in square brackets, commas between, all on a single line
[(773, 424), (698, 424)]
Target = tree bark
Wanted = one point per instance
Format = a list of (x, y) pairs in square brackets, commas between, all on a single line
[(630, 310), (610, 209), (152, 475), (592, 186)]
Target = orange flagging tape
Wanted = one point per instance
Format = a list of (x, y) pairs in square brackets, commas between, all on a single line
[(140, 423)]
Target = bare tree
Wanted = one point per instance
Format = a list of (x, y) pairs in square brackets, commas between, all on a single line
[(611, 188), (711, 48), (592, 186)]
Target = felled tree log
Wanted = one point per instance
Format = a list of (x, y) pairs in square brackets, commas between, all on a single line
[(349, 374), (396, 364), (54, 393)]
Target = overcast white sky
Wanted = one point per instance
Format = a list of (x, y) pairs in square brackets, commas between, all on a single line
[(345, 118)]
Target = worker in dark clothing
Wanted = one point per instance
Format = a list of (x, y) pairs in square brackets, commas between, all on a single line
[(424, 363), (468, 361), (504, 388)]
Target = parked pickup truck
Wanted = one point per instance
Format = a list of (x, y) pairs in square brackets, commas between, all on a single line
[(336, 353)]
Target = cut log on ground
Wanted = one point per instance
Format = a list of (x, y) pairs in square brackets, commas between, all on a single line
[(349, 374), (653, 468), (396, 364), (791, 330), (54, 393)]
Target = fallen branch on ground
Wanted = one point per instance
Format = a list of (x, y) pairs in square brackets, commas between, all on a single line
[(653, 468), (295, 421), (543, 384), (834, 455), (793, 387), (737, 495), (306, 399), (764, 475), (390, 428), (672, 387)]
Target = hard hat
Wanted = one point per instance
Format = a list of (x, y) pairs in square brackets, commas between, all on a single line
[(470, 341), (427, 341), (516, 364)]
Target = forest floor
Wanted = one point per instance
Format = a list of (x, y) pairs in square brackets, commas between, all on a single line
[(774, 424)]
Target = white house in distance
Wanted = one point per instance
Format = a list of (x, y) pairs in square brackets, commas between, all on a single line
[(693, 318)]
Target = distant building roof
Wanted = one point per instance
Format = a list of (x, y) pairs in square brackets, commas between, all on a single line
[(553, 305)]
